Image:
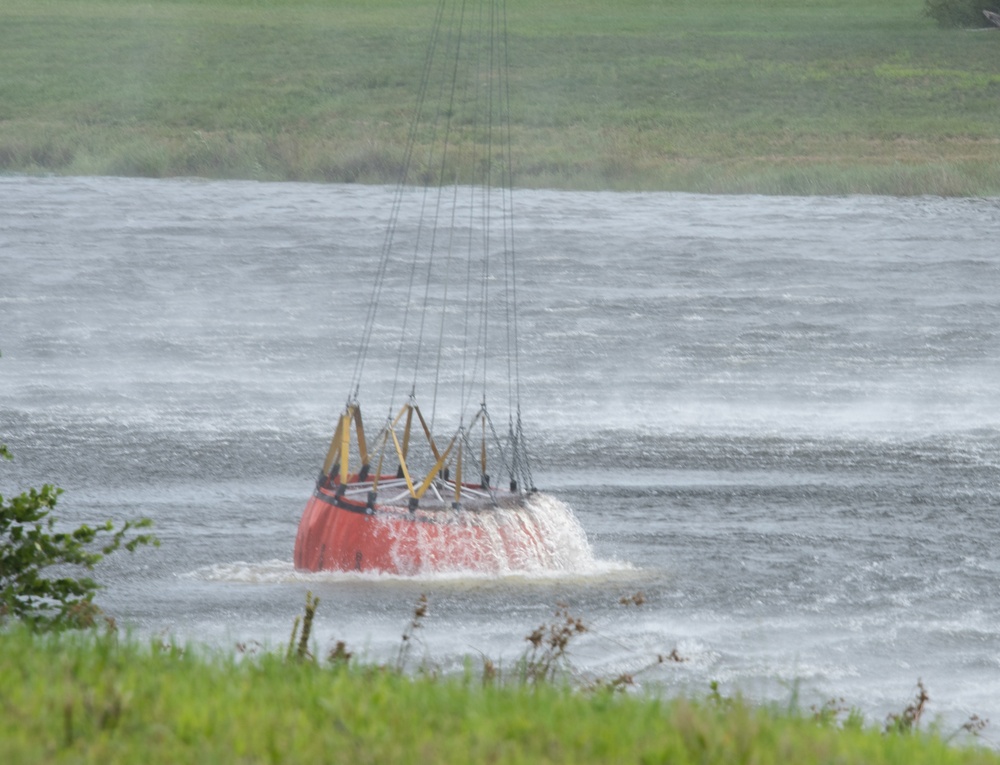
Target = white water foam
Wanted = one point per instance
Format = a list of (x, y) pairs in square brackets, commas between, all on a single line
[(544, 541), (541, 536)]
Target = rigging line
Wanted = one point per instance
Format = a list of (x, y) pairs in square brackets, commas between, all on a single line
[(444, 304), (520, 446), (488, 191), (498, 74), (524, 451), (468, 302), (469, 378), (510, 196), (506, 192), (482, 337), (446, 145), (449, 257), (502, 77), (414, 262), (504, 463), (379, 280)]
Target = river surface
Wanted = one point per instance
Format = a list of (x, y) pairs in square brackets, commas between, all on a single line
[(776, 418)]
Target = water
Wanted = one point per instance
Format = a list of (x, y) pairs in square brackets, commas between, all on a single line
[(774, 417)]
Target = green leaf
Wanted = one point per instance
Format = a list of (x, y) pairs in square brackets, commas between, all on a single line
[(28, 546)]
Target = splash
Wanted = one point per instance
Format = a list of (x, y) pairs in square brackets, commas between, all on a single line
[(537, 541), (540, 535), (275, 571)]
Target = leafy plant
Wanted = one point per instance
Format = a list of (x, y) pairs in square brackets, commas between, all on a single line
[(958, 13), (30, 547)]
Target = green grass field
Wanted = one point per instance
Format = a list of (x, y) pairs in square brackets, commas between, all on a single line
[(770, 96), (78, 698)]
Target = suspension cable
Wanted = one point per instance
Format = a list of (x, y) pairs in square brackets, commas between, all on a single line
[(379, 281), (486, 91)]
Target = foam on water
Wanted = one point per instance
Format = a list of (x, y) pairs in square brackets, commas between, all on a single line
[(281, 571), (542, 535), (541, 540)]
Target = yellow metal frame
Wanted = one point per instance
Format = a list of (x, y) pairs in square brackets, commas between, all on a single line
[(340, 446), (339, 453)]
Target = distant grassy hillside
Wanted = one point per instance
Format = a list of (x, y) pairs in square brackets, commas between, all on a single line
[(771, 96)]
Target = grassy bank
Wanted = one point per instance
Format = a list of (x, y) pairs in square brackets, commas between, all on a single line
[(772, 96), (82, 699)]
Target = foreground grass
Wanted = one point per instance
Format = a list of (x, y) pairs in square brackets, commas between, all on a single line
[(771, 96), (82, 699)]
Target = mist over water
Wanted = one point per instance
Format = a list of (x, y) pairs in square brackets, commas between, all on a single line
[(775, 417)]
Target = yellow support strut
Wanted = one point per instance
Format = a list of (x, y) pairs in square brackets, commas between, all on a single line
[(340, 445)]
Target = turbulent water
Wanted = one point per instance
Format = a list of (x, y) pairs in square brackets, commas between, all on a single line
[(775, 417)]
